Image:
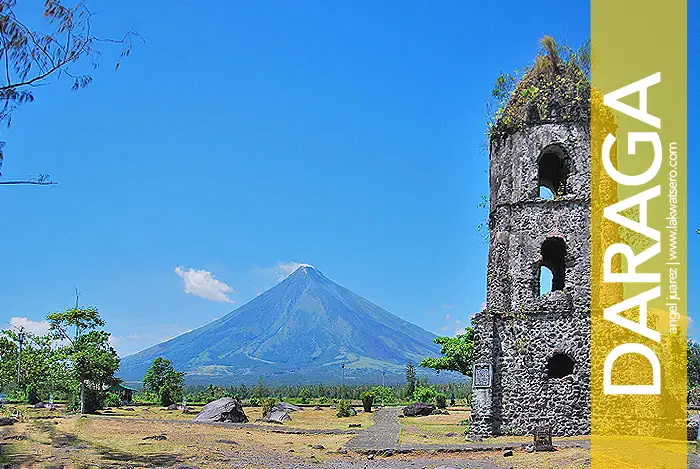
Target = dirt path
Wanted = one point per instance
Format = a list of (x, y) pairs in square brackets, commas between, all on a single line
[(382, 436)]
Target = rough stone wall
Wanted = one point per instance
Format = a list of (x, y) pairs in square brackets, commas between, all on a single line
[(520, 331)]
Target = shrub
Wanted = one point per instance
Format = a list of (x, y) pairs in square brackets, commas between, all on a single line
[(254, 401), (145, 397), (344, 408), (322, 400), (112, 400), (367, 400), (304, 396), (384, 392), (441, 400), (32, 394), (424, 394), (267, 404)]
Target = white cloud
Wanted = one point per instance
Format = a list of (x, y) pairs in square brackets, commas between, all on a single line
[(33, 327), (203, 284)]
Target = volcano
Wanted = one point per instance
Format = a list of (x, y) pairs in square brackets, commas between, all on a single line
[(301, 330)]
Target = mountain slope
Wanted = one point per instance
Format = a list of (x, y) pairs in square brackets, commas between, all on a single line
[(302, 329)]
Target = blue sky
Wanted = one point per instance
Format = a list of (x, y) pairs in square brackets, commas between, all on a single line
[(243, 138)]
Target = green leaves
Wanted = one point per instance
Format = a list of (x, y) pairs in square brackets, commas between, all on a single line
[(82, 318), (457, 354), (57, 362), (162, 379)]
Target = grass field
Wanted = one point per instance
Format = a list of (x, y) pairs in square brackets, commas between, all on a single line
[(153, 436), (305, 419), (81, 442), (432, 429)]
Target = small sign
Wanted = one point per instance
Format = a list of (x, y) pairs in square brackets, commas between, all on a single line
[(51, 399), (543, 438), (482, 375)]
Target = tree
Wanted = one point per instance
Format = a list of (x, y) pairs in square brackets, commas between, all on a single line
[(162, 379), (40, 365), (457, 353), (693, 364), (33, 57), (89, 359), (411, 379), (305, 396)]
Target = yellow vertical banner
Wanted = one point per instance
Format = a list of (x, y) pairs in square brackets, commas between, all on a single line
[(638, 234)]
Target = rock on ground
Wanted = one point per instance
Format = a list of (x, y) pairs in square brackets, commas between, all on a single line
[(418, 409), (693, 422), (287, 407), (277, 415), (225, 409)]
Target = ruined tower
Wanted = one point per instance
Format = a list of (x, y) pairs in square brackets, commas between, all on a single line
[(531, 358)]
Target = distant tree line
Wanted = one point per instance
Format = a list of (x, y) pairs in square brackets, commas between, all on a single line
[(319, 393)]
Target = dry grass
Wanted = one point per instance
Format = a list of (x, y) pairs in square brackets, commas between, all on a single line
[(78, 442), (432, 429), (568, 458), (308, 418), (52, 439)]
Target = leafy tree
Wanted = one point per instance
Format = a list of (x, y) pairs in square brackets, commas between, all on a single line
[(693, 364), (457, 353), (61, 48), (441, 401), (162, 379), (411, 379), (344, 408), (88, 358), (267, 404), (40, 365), (304, 396), (424, 394), (260, 390), (384, 394)]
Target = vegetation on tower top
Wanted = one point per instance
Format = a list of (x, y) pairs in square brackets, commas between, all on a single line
[(555, 88)]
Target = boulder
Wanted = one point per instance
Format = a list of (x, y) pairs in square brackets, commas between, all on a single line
[(694, 398), (418, 409), (692, 427), (276, 415), (286, 407), (225, 409), (44, 405)]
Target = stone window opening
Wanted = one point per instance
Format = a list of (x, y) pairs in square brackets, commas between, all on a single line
[(551, 174), (560, 365), (552, 266), (545, 280)]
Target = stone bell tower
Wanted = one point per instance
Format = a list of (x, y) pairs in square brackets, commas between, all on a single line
[(532, 342)]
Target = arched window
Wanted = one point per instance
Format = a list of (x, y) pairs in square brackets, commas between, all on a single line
[(551, 172), (553, 257), (545, 280), (560, 365)]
